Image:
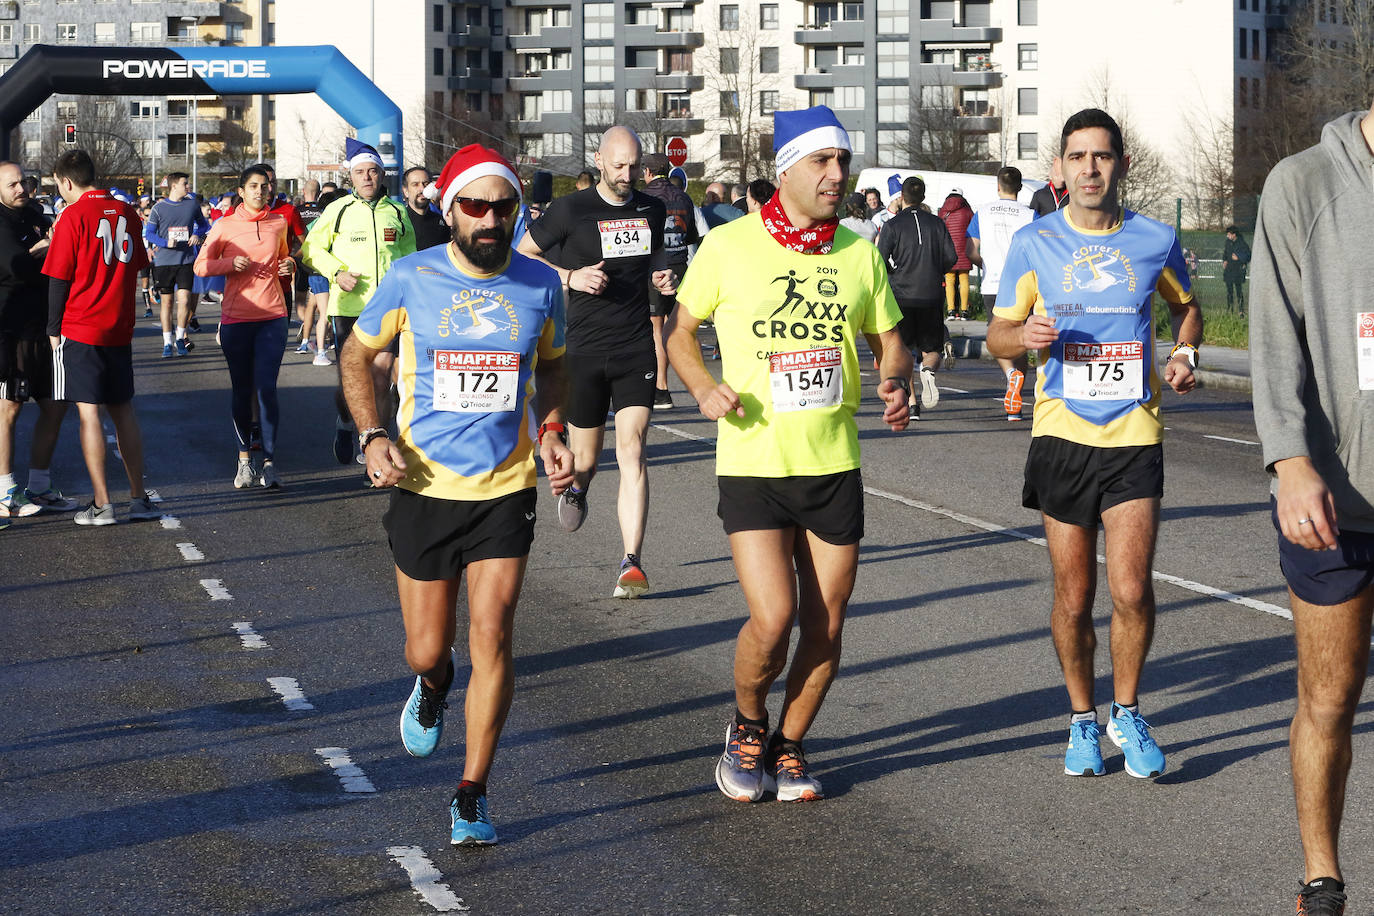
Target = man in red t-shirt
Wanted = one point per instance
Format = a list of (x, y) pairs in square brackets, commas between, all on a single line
[(93, 263)]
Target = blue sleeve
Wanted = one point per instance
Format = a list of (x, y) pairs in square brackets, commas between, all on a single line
[(201, 227), (973, 228), (152, 228)]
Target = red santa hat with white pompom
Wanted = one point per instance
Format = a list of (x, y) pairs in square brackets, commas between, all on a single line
[(466, 166)]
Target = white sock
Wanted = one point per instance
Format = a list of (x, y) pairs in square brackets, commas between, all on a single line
[(1084, 716), (7, 483), (181, 333), (1009, 372), (39, 480), (167, 338), (1133, 709)]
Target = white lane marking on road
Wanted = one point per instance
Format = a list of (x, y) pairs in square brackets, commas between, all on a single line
[(216, 590), (424, 879), (681, 434), (249, 636), (170, 521), (1228, 439), (290, 692), (1252, 603), (190, 551), (349, 773), (953, 390)]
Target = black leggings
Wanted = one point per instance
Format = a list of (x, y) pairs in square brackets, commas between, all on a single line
[(253, 350)]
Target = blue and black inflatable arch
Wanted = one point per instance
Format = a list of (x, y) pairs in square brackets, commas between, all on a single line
[(47, 70)]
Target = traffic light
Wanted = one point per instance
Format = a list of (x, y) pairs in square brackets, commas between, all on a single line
[(69, 134)]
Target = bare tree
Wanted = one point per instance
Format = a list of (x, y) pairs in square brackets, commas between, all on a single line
[(1211, 190), (738, 82), (103, 129), (940, 138)]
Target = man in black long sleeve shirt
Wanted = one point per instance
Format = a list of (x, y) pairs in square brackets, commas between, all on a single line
[(918, 250), (25, 353)]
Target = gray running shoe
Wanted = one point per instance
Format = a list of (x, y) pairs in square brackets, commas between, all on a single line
[(96, 515), (740, 772), (244, 476), (793, 777), (269, 478), (142, 509), (930, 394), (572, 509)]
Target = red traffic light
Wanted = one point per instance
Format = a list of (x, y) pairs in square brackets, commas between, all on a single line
[(69, 133)]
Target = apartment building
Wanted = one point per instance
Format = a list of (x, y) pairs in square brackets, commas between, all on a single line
[(142, 136)]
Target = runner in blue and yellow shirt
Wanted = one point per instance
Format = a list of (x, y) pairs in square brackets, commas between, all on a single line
[(480, 329), (1078, 286)]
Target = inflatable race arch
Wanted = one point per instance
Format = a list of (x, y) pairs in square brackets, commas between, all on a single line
[(47, 70)]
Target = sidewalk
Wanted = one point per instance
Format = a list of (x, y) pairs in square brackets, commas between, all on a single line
[(1221, 367)]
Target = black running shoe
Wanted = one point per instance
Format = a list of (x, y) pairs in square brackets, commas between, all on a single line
[(1322, 897)]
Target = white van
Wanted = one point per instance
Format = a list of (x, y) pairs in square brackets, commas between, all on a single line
[(977, 189)]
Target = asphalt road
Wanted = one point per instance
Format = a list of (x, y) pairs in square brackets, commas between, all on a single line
[(147, 763)]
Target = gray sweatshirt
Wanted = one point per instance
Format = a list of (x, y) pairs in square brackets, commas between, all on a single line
[(1312, 277)]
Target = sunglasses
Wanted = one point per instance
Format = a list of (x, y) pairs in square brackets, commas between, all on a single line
[(477, 208)]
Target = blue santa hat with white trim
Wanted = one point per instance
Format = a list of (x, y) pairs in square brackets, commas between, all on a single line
[(800, 133), (356, 153)]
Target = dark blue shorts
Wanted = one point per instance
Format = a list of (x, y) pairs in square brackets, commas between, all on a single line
[(318, 284), (1326, 577)]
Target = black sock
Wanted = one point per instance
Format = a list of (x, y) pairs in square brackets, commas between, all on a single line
[(477, 788), (448, 681), (1332, 883), (742, 719)]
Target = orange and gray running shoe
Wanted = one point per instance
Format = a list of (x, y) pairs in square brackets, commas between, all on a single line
[(1012, 401), (792, 776), (740, 772), (631, 582)]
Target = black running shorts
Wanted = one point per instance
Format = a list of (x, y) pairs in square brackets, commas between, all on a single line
[(434, 539), (922, 327), (1326, 577), (661, 306), (830, 506), (173, 276), (1077, 483), (92, 374), (595, 383), (25, 369)]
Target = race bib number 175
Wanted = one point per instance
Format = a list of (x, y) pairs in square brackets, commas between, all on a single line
[(1104, 371)]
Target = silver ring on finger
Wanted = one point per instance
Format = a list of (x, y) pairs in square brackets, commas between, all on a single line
[(1304, 521)]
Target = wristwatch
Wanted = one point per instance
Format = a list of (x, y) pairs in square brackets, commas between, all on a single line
[(367, 435), (1189, 352), (900, 382), (553, 428)]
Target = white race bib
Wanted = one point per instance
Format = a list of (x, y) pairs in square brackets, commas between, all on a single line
[(178, 234), (1364, 346), (475, 381), (624, 238), (806, 379), (1104, 371)]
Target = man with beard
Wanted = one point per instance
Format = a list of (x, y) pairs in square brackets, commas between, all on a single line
[(610, 240), (477, 323), (353, 243), (428, 222)]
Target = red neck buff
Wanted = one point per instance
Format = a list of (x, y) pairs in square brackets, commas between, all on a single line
[(816, 240)]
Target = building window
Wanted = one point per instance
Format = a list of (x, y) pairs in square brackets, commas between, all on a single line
[(894, 103), (558, 144), (768, 60), (729, 60), (824, 58), (852, 55), (33, 32), (824, 97), (854, 12), (233, 31), (849, 97), (679, 20), (893, 145), (768, 15), (533, 147), (675, 105), (106, 109), (1026, 145), (729, 17), (438, 17), (729, 104), (234, 111), (178, 108), (531, 106), (66, 33), (66, 110), (1028, 57), (438, 61), (6, 33), (145, 31), (1243, 34), (894, 17), (730, 146), (598, 64), (893, 59), (598, 20), (856, 142), (558, 100), (144, 111), (33, 149), (636, 100), (1255, 52), (599, 106), (973, 103), (1243, 93), (679, 61), (1027, 12), (104, 33), (768, 101), (1028, 101)]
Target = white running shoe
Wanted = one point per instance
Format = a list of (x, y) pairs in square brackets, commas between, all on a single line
[(930, 394)]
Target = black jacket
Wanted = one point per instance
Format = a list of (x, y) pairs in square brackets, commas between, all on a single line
[(918, 251), (1045, 201), (430, 229), (23, 288), (1234, 268)]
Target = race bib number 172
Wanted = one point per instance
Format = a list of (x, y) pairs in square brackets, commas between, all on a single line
[(475, 381)]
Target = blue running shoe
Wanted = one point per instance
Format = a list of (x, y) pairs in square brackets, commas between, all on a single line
[(471, 824), (182, 347), (1084, 756), (167, 351), (422, 718), (1130, 732)]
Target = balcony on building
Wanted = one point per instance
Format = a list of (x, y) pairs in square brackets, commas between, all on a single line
[(552, 37), (549, 122), (537, 80), (832, 76), (470, 79), (9, 51), (977, 124), (651, 36), (9, 9), (681, 126), (944, 30), (181, 126), (835, 32), (201, 9), (470, 36), (563, 4)]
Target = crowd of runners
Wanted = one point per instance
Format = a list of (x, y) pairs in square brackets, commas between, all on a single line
[(476, 329)]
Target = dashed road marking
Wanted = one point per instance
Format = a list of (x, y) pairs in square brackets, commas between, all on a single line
[(425, 879), (190, 551), (1229, 439), (215, 588), (290, 692), (349, 773), (682, 434), (249, 636), (170, 521)]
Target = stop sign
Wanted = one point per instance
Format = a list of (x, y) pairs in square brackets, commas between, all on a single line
[(676, 150)]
